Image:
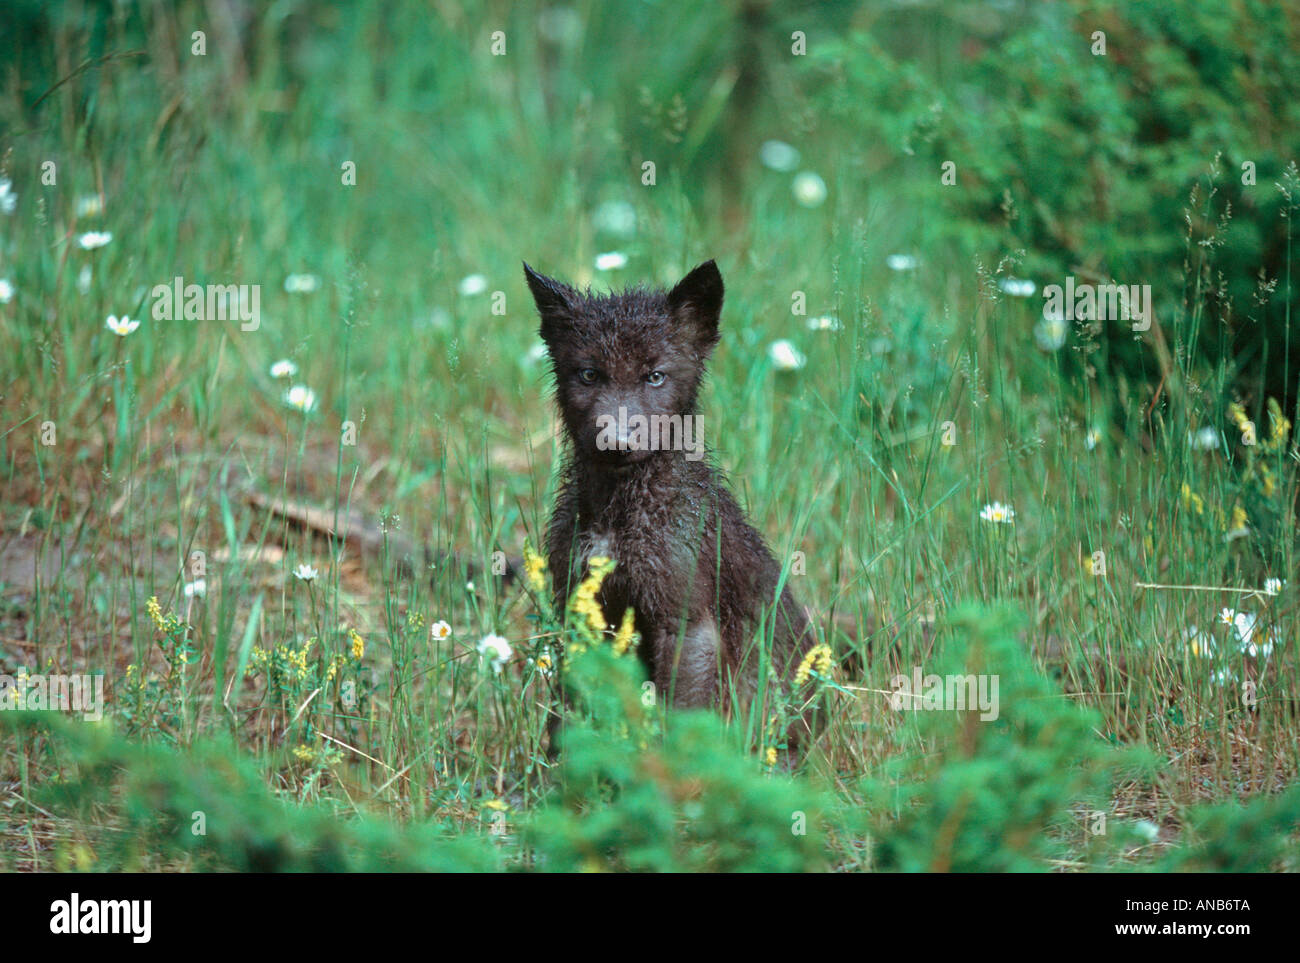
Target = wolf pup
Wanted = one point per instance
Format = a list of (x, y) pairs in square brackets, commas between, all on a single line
[(637, 488)]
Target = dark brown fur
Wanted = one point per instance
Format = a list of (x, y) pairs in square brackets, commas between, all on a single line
[(697, 575)]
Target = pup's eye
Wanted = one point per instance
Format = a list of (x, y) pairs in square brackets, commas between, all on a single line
[(655, 378), (588, 375)]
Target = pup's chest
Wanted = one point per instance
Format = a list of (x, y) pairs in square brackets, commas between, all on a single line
[(598, 543), (639, 558), (655, 568)]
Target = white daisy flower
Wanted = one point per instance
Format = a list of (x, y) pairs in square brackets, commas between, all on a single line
[(300, 397), (94, 239), (901, 262), (1200, 644), (198, 587), (777, 155), (1272, 586), (545, 663), (823, 322), (84, 277), (1224, 676), (1207, 439), (497, 649), (611, 261), (301, 283), (440, 631), (1049, 333), (1227, 617), (1147, 830), (89, 205), (6, 291), (998, 513), (439, 319), (473, 284), (1018, 287), (284, 368), (121, 326), (1092, 438), (1260, 650), (305, 572), (615, 217), (809, 189), (1253, 643), (785, 356)]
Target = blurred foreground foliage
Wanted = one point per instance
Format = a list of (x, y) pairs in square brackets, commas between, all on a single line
[(636, 794)]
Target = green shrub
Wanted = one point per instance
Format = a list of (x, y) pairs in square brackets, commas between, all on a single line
[(142, 803), (994, 796), (687, 798), (1259, 836)]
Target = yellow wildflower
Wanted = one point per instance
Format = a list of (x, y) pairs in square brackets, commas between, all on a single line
[(1281, 424), (155, 612), (534, 568), (166, 624), (1193, 500), (626, 635), (296, 659), (1266, 480), (358, 644), (1239, 519), (584, 599), (771, 755), (818, 658), (591, 610), (1238, 415), (332, 669)]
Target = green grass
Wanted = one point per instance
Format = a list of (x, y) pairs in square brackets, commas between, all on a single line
[(227, 169)]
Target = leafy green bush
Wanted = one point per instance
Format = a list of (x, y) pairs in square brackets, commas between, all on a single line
[(691, 799), (1026, 792), (994, 796), (149, 806), (1234, 837)]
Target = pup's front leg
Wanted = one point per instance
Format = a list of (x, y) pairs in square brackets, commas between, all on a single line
[(689, 671)]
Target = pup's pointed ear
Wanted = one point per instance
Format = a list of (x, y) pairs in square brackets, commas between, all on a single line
[(697, 301), (555, 300)]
